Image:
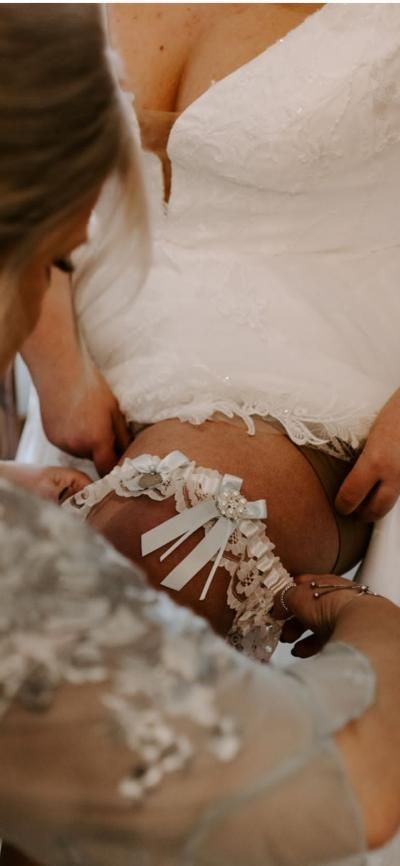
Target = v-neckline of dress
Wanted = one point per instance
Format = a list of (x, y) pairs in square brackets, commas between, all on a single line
[(236, 73)]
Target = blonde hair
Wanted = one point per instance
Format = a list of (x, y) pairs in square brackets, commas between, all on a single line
[(63, 130)]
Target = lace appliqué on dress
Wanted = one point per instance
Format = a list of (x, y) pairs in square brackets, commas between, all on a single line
[(235, 538), (339, 434)]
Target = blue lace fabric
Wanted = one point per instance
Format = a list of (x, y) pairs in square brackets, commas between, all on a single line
[(131, 734)]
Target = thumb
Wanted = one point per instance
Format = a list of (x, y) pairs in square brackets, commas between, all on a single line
[(358, 484)]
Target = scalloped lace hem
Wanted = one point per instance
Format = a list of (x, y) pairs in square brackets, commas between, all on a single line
[(341, 435)]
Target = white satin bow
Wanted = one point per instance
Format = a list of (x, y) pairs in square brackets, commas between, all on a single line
[(146, 473), (227, 507)]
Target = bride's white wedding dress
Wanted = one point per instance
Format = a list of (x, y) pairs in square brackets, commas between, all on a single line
[(275, 284), (274, 288)]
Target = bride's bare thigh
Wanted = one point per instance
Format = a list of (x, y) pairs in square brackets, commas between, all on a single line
[(300, 519)]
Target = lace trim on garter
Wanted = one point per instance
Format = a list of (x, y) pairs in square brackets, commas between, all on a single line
[(235, 538)]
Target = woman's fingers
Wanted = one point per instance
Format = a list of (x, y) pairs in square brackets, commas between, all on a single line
[(308, 647), (56, 483), (292, 630), (380, 502), (104, 456), (373, 485), (371, 496), (122, 434), (112, 443), (70, 481), (356, 487)]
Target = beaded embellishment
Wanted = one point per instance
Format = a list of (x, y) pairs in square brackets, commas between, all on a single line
[(234, 538)]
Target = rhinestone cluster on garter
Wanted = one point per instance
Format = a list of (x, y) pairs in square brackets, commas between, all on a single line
[(232, 504), (238, 541)]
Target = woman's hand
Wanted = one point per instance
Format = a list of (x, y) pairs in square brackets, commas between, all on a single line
[(79, 411), (370, 744), (318, 615), (373, 485), (84, 419), (56, 483)]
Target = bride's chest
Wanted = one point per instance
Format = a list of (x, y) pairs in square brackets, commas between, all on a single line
[(228, 41), (315, 110)]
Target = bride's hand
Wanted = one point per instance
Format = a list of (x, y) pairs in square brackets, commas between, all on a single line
[(373, 485)]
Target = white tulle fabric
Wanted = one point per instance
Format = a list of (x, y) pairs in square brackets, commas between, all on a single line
[(274, 287), (190, 755)]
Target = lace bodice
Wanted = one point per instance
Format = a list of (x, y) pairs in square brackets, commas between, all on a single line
[(274, 285), (171, 706)]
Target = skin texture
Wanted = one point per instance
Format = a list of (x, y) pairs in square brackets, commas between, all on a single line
[(172, 52)]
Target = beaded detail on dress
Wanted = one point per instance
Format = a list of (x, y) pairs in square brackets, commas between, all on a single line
[(235, 538)]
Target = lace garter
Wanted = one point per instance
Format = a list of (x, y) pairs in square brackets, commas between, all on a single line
[(234, 539)]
